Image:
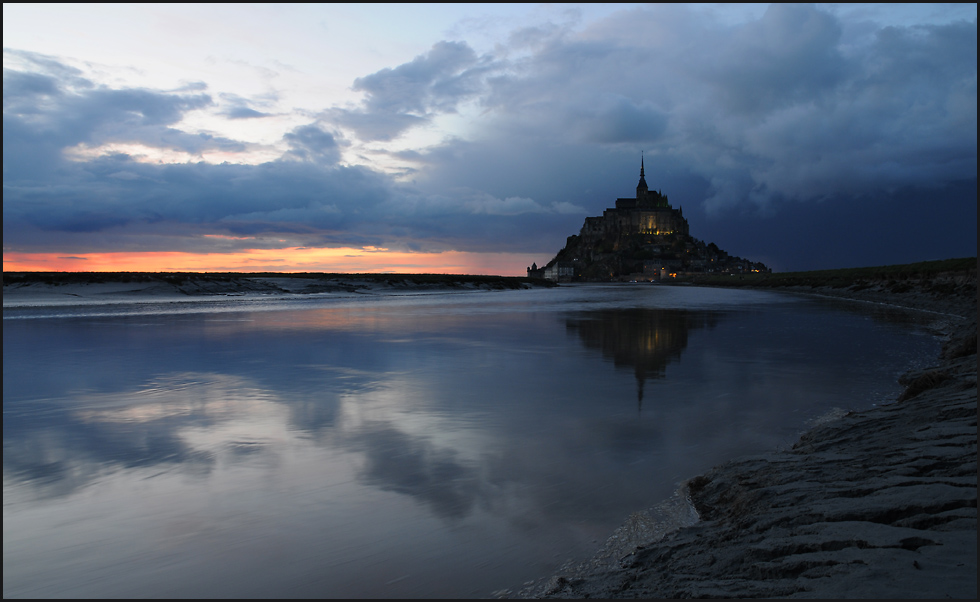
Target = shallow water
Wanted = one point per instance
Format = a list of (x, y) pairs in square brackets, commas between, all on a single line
[(438, 445)]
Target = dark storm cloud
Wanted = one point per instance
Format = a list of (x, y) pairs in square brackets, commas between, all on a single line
[(791, 55), (187, 199), (623, 121), (741, 122), (776, 108)]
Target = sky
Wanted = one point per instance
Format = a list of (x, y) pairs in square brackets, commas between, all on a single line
[(475, 138)]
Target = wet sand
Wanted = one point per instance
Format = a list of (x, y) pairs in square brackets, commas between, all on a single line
[(879, 503)]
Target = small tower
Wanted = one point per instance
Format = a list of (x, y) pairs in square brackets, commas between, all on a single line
[(641, 188)]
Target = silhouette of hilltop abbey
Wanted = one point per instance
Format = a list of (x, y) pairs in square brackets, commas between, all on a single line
[(648, 213), (641, 238)]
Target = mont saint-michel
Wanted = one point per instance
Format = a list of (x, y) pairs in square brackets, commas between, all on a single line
[(641, 238)]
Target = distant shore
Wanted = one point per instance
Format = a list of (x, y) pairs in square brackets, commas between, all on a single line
[(81, 287), (945, 286), (878, 503)]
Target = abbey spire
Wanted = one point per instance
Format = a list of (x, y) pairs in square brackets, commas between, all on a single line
[(641, 188)]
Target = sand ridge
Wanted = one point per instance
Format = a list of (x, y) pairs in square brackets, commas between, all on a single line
[(29, 289)]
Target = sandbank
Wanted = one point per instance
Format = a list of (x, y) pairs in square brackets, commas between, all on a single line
[(41, 289)]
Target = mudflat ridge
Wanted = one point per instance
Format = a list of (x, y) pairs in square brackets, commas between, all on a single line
[(875, 504), (20, 287)]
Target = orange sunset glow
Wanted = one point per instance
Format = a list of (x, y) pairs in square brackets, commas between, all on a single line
[(339, 260)]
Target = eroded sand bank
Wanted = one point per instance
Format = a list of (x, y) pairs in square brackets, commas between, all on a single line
[(875, 504)]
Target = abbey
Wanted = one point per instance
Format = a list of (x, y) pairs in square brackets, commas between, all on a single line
[(648, 213), (641, 238)]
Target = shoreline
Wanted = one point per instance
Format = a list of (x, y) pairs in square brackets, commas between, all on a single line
[(35, 288), (879, 503)]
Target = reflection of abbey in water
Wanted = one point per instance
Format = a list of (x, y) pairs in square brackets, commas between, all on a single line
[(641, 238), (643, 339)]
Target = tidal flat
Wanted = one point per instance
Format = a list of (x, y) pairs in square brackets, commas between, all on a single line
[(434, 443), (880, 503)]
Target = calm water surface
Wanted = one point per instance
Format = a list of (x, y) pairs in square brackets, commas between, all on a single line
[(442, 445)]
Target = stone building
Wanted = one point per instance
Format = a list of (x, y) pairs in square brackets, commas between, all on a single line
[(641, 238), (648, 213)]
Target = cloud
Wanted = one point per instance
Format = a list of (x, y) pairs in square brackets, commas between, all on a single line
[(773, 109), (485, 203), (903, 112), (237, 107), (53, 108), (622, 120), (374, 126), (431, 81), (736, 117), (410, 94), (310, 143), (66, 189), (744, 118), (791, 55), (244, 113)]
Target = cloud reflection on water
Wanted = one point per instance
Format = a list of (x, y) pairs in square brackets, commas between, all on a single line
[(414, 466), (187, 421), (520, 426), (399, 422)]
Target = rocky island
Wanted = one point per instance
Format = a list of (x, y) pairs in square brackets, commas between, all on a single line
[(640, 239)]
